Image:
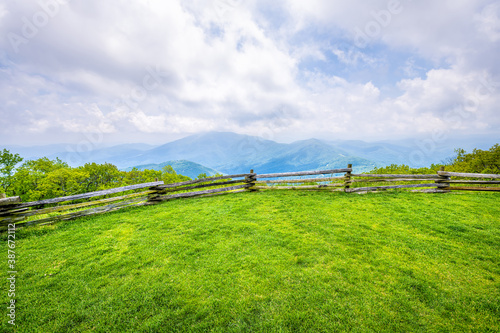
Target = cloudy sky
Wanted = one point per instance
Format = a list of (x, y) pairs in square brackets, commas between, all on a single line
[(153, 71)]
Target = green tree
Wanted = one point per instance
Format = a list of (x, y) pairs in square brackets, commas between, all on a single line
[(169, 175), (479, 161), (30, 175), (202, 176), (395, 169), (8, 162), (44, 178), (62, 182), (101, 176), (133, 176)]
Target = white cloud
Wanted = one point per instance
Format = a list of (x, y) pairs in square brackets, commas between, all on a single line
[(38, 126), (3, 11), (353, 57), (488, 21), (148, 124), (180, 67)]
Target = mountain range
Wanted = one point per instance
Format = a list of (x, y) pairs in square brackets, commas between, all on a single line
[(230, 153)]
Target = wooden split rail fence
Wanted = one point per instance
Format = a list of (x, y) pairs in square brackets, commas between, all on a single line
[(15, 212)]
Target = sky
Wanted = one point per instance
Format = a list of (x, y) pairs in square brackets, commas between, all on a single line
[(153, 71)]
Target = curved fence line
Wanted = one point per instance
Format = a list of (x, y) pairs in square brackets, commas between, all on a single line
[(14, 213)]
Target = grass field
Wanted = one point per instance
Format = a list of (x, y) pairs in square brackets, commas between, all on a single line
[(283, 261)]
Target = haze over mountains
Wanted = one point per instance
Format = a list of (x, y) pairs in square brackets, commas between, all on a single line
[(229, 153)]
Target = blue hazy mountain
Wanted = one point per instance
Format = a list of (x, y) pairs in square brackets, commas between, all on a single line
[(234, 153), (381, 152), (76, 155), (34, 152), (79, 154), (413, 152)]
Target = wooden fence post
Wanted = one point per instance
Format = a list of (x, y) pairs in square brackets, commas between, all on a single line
[(250, 180), (347, 181), (153, 197), (440, 185)]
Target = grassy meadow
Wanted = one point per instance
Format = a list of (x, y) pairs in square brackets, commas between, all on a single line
[(281, 261)]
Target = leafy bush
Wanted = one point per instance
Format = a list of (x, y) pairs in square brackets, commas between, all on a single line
[(395, 169), (479, 161)]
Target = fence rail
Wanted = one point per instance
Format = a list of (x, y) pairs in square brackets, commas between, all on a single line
[(469, 175), (9, 201), (303, 173), (314, 184), (15, 212)]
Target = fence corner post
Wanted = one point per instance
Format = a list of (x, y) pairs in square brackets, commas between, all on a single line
[(347, 180), (153, 197), (250, 180), (441, 186)]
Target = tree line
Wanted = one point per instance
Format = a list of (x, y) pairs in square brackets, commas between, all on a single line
[(43, 178), (477, 161)]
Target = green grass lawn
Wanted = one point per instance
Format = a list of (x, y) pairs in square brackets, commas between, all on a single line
[(284, 261)]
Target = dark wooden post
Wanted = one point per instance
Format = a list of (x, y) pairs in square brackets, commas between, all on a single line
[(347, 181), (251, 179), (441, 185), (153, 197)]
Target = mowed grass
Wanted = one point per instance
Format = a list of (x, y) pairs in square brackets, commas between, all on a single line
[(283, 261)]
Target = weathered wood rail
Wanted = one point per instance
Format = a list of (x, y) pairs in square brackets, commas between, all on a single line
[(424, 181), (213, 185), (13, 211), (336, 184), (447, 183)]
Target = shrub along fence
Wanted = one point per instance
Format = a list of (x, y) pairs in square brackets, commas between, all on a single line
[(15, 214)]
